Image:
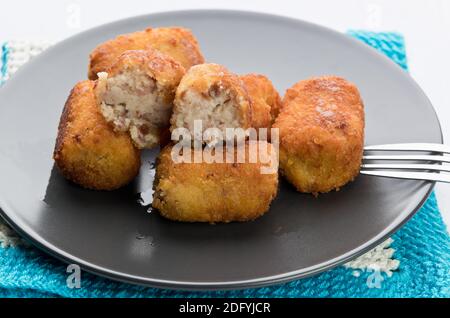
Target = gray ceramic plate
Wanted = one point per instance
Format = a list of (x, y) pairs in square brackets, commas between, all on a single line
[(112, 235)]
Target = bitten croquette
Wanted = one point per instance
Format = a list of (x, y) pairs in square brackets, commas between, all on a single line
[(321, 129), (214, 192), (137, 92), (213, 95), (178, 43), (88, 151), (220, 99)]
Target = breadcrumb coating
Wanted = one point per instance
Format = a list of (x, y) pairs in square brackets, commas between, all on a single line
[(265, 100), (88, 151), (178, 43), (213, 192), (321, 127)]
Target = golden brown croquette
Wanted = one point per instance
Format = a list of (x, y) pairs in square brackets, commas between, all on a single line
[(88, 151), (265, 100), (211, 94), (178, 43), (214, 192), (221, 99), (137, 92), (321, 127)]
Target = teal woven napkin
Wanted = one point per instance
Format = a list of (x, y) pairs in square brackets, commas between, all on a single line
[(422, 248)]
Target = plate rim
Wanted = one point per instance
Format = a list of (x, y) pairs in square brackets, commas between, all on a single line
[(7, 213)]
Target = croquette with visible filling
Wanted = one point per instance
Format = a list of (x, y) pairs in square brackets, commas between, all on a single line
[(137, 93), (211, 94), (88, 151), (221, 99)]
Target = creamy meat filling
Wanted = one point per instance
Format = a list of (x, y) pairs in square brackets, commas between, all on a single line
[(134, 101), (216, 109)]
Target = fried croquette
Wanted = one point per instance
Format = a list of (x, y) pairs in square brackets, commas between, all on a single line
[(178, 43), (137, 93), (88, 151), (214, 192), (213, 95), (220, 99), (265, 100), (321, 128)]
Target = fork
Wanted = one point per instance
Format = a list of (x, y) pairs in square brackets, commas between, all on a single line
[(427, 165)]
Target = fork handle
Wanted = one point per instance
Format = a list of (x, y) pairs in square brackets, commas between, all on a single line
[(410, 147), (426, 176)]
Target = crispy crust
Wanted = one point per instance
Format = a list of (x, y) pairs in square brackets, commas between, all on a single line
[(88, 151), (157, 65), (265, 100), (321, 134), (206, 79), (212, 192), (178, 43)]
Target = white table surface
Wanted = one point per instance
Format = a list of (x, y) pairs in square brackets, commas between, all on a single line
[(424, 23)]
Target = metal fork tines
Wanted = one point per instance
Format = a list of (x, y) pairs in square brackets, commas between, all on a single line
[(425, 166)]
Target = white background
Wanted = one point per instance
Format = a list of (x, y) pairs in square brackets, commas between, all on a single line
[(424, 23)]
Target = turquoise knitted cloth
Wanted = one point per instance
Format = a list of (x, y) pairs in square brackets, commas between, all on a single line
[(422, 246)]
